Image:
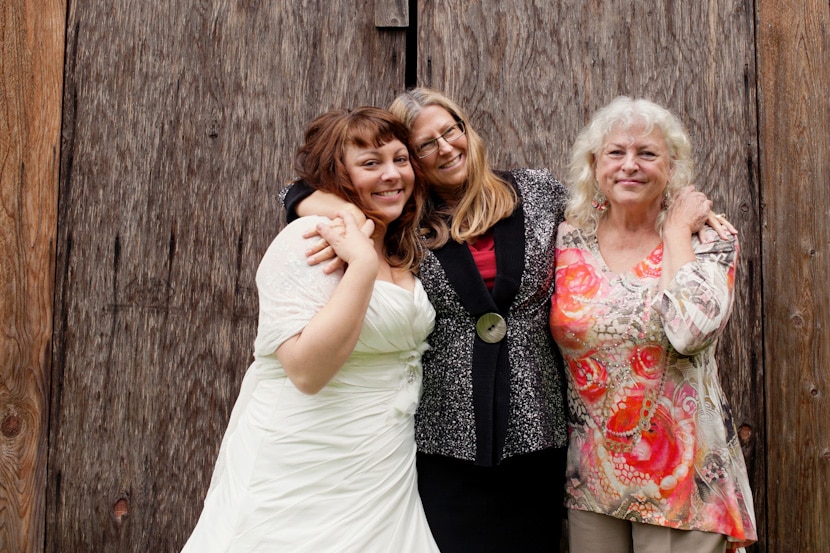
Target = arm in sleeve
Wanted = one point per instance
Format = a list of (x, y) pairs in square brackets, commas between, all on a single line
[(290, 291), (292, 195), (311, 321), (697, 303)]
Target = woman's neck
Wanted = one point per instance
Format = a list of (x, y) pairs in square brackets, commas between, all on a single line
[(625, 242), (631, 221)]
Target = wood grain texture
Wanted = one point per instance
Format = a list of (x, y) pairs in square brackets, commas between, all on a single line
[(391, 13), (531, 74), (180, 127), (31, 61), (794, 123)]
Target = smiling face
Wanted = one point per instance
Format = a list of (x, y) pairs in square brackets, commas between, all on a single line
[(382, 176), (446, 169), (633, 168)]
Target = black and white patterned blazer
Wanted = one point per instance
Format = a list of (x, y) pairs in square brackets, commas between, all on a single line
[(488, 401)]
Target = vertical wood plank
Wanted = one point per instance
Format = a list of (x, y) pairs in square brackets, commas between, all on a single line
[(531, 74), (391, 13), (794, 122), (180, 126), (31, 62)]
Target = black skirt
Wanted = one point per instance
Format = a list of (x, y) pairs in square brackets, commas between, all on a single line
[(515, 506)]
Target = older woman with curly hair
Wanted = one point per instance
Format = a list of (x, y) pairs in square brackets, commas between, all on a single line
[(643, 291)]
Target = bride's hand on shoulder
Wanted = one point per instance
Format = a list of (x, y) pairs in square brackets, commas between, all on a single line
[(322, 251), (350, 243)]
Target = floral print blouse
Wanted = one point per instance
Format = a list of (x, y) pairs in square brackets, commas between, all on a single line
[(651, 437)]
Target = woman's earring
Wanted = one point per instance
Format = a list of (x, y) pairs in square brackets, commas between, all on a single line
[(666, 199), (600, 202)]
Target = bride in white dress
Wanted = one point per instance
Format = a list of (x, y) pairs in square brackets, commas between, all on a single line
[(319, 454)]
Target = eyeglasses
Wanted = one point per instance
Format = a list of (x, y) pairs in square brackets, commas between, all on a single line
[(450, 135)]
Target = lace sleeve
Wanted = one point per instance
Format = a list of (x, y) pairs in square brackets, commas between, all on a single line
[(290, 291)]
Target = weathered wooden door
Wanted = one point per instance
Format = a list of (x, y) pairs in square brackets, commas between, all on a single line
[(180, 120)]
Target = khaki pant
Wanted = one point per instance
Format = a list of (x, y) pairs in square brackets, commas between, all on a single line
[(595, 533)]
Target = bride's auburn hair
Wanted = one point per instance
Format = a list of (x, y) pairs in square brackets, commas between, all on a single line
[(320, 164)]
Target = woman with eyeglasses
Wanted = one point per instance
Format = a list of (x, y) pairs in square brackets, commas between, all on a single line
[(490, 426)]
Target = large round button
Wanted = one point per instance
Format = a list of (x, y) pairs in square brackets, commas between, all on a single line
[(491, 327)]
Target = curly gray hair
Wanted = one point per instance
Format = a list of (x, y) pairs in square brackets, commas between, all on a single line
[(623, 113)]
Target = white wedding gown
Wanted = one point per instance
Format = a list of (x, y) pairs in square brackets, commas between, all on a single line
[(334, 471)]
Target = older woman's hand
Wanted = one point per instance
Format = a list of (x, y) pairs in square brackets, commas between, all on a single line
[(689, 211), (689, 203), (721, 224)]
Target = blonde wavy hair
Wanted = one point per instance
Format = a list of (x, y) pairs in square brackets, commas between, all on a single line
[(485, 198), (623, 113)]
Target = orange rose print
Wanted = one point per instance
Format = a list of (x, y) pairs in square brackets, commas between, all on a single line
[(576, 282), (651, 267), (647, 361), (589, 377)]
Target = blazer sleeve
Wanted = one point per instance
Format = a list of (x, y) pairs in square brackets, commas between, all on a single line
[(292, 195)]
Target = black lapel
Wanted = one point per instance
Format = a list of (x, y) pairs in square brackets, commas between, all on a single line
[(463, 274), (461, 271), (510, 258)]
